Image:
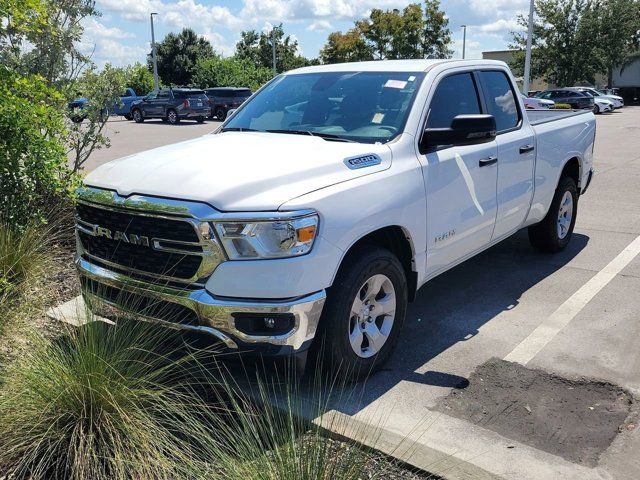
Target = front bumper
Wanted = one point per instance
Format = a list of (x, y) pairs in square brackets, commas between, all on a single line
[(215, 316)]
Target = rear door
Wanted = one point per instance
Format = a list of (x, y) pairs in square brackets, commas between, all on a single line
[(460, 181), (516, 152)]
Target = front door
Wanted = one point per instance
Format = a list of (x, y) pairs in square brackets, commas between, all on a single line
[(460, 181)]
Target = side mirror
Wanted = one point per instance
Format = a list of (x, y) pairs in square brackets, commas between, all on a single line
[(464, 130)]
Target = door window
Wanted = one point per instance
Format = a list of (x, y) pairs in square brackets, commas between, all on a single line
[(163, 95), (500, 99), (454, 95)]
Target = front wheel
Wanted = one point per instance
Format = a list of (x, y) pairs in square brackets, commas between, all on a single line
[(364, 313), (200, 119), (137, 115), (554, 232), (596, 109)]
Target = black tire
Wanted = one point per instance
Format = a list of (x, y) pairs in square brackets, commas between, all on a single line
[(172, 117), (136, 113), (545, 235), (77, 119), (596, 109), (200, 119), (128, 116), (221, 114), (332, 346)]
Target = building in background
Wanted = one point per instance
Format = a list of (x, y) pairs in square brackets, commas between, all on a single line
[(628, 81)]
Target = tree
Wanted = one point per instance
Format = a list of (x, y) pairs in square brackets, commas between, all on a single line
[(437, 36), (139, 78), (39, 37), (226, 72), (393, 34), (618, 33), (564, 42), (178, 54), (258, 48), (346, 47)]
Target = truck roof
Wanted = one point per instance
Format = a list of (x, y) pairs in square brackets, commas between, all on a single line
[(418, 65)]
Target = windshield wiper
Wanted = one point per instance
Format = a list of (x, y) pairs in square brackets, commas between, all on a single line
[(238, 129), (326, 136)]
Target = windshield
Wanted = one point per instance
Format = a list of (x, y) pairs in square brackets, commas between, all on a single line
[(354, 106)]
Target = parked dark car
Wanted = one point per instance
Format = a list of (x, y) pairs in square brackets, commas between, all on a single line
[(223, 99), (172, 105), (576, 99)]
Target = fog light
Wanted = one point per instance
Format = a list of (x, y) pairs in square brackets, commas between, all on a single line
[(257, 324)]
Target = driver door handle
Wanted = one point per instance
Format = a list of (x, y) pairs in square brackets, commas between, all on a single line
[(526, 148), (487, 161)]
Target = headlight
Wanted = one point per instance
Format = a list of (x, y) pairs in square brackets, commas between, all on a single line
[(253, 239)]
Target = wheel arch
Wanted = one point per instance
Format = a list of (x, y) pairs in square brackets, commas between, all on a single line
[(398, 241)]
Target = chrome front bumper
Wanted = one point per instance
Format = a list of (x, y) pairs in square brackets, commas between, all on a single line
[(216, 316)]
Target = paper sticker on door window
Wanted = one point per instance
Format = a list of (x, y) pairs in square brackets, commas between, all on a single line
[(395, 84), (377, 117)]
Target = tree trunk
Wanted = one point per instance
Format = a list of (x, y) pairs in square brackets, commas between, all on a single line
[(610, 77)]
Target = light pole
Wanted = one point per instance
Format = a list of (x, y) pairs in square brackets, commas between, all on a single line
[(527, 56), (153, 54), (273, 49), (464, 39)]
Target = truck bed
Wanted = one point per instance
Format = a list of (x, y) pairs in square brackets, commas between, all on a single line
[(537, 117)]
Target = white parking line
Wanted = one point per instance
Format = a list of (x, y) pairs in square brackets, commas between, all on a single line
[(547, 330)]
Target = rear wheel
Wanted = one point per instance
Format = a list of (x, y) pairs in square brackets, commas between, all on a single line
[(127, 116), (200, 119), (221, 114), (137, 115), (364, 313), (172, 117), (554, 232)]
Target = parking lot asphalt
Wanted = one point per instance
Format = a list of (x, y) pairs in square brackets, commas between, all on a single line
[(574, 315)]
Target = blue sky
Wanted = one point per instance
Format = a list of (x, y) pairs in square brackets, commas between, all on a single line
[(122, 34)]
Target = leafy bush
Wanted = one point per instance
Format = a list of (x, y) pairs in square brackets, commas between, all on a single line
[(562, 106), (33, 161), (230, 72), (139, 78)]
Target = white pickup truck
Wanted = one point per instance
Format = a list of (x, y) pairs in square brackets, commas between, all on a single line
[(320, 207)]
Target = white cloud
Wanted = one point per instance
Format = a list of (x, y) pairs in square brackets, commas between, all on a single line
[(180, 14), (500, 25), (220, 43), (319, 26), (94, 29)]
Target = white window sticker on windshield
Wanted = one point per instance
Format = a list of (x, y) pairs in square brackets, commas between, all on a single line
[(395, 84), (377, 117), (412, 78)]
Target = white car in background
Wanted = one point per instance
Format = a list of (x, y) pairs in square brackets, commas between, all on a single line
[(537, 103), (618, 102), (602, 105)]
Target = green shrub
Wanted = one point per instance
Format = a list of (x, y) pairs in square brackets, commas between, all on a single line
[(562, 106), (33, 161), (139, 78)]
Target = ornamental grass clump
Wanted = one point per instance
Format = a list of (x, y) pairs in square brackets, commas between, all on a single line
[(102, 402)]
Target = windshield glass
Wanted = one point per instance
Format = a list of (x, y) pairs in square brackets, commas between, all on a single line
[(358, 106)]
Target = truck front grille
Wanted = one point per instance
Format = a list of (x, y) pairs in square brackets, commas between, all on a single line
[(161, 247)]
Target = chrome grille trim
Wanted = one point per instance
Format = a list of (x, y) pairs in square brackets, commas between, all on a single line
[(193, 213)]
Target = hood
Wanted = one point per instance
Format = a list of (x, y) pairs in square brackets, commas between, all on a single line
[(605, 101), (239, 171)]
